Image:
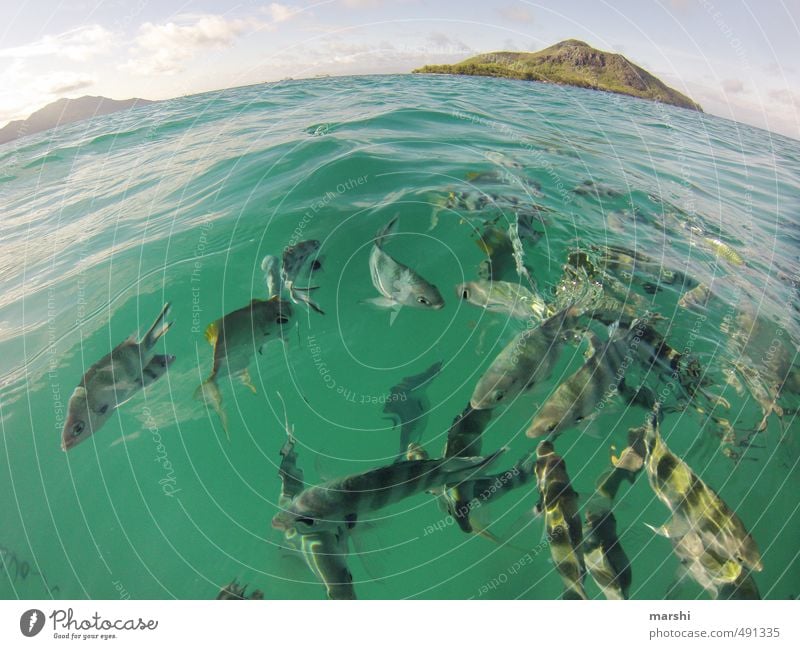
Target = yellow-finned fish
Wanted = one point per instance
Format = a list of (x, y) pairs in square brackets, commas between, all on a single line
[(694, 505), (114, 379), (559, 503), (235, 339)]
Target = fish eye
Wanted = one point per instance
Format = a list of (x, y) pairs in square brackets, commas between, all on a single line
[(423, 300), (316, 265), (77, 428), (102, 409), (579, 419), (550, 428), (282, 320), (465, 294), (498, 396)]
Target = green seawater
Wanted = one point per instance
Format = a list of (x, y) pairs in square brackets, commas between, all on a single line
[(105, 220)]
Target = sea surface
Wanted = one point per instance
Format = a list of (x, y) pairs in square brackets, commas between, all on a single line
[(105, 220)]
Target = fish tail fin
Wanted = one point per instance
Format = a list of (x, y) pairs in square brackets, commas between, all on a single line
[(158, 328), (480, 529), (387, 229), (208, 392)]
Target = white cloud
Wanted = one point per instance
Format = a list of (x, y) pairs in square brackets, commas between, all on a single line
[(63, 82), (732, 85), (516, 14), (785, 96), (80, 44), (165, 47), (279, 12)]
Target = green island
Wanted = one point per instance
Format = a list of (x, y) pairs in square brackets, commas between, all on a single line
[(572, 63)]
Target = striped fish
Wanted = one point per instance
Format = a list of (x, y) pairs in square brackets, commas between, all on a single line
[(464, 434), (341, 501), (464, 498), (559, 503), (325, 552), (694, 505), (605, 558)]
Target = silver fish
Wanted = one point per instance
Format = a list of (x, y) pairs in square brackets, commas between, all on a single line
[(577, 398), (504, 297), (408, 406), (235, 338), (114, 379), (526, 360), (341, 501), (398, 284), (271, 266), (294, 260)]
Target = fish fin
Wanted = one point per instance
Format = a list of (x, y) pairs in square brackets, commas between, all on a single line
[(629, 460), (393, 314), (212, 333), (369, 547), (380, 302), (244, 377), (157, 329), (479, 526), (389, 228), (663, 530), (470, 465), (299, 295), (434, 219), (209, 394), (124, 401)]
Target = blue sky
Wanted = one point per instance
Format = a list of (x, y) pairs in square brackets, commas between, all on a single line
[(739, 59)]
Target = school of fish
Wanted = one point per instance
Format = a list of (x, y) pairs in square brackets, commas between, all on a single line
[(627, 363)]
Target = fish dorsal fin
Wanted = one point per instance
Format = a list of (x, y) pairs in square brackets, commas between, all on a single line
[(212, 333)]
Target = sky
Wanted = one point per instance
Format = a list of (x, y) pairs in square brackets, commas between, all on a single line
[(737, 58)]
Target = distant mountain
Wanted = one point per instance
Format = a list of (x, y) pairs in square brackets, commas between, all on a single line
[(572, 63), (66, 111)]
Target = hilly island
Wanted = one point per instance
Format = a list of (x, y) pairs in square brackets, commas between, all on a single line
[(572, 63)]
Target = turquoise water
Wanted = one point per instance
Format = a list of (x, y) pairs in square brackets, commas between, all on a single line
[(106, 220)]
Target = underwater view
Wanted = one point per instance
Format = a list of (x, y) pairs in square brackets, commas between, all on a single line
[(400, 337)]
